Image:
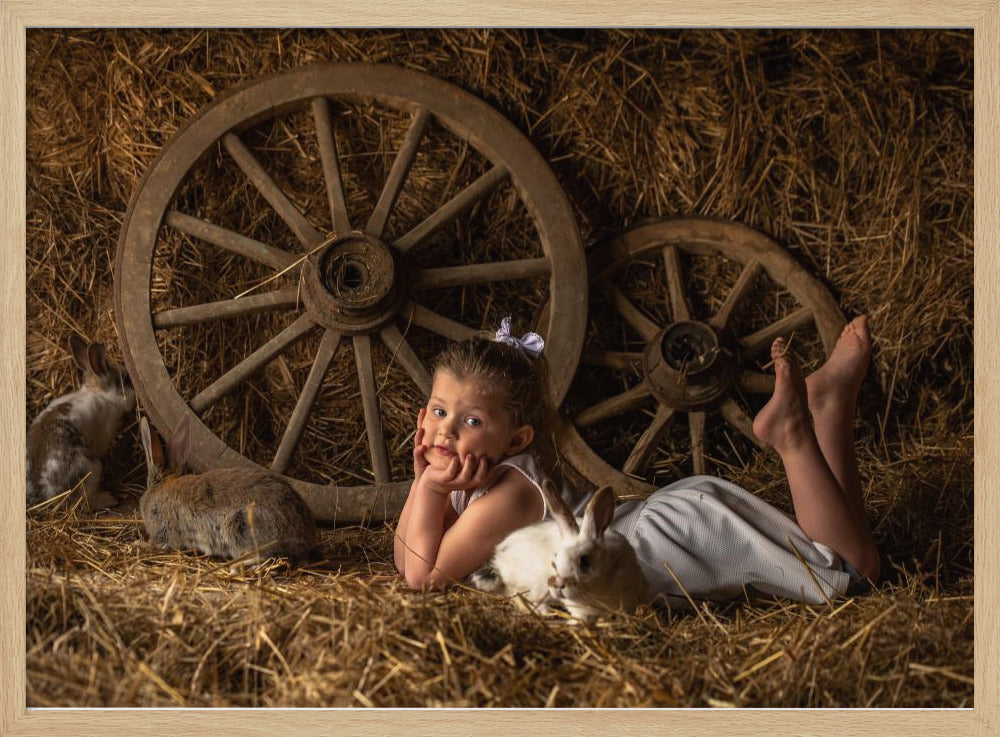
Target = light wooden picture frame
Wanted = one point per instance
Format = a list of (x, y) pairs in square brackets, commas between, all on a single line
[(18, 15)]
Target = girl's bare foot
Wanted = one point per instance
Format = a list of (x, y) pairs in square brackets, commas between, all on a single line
[(836, 383), (783, 422)]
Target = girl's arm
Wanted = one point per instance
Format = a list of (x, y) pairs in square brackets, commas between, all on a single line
[(399, 543), (399, 539), (436, 555)]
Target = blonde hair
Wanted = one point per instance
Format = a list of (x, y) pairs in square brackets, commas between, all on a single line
[(519, 380)]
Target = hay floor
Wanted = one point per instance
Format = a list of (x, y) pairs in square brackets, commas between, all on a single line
[(853, 149)]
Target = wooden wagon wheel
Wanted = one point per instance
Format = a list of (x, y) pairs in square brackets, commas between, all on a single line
[(353, 283), (693, 364)]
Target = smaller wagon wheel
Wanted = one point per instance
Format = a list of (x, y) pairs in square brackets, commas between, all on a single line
[(356, 283), (689, 366)]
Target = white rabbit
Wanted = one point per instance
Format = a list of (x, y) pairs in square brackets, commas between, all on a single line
[(577, 563), (67, 440)]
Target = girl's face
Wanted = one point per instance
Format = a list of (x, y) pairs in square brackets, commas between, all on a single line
[(463, 418)]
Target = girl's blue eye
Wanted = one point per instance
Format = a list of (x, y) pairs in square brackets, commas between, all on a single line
[(438, 412), (473, 422)]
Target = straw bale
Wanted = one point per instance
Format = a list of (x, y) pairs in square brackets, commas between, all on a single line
[(851, 148)]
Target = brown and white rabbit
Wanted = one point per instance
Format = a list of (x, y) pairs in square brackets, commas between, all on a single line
[(577, 563), (230, 513), (69, 437)]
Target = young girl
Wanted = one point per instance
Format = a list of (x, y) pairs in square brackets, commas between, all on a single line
[(701, 537), (486, 427)]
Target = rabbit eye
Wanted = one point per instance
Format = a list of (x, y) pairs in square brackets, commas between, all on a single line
[(584, 563)]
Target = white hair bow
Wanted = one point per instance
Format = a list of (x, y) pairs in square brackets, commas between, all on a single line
[(530, 343)]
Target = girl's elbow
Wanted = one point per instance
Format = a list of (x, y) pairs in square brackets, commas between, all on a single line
[(420, 580), (411, 580), (414, 579)]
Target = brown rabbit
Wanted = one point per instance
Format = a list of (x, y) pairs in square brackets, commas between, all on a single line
[(226, 512), (67, 440)]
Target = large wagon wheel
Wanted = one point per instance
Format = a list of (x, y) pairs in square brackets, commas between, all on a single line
[(687, 365), (352, 284)]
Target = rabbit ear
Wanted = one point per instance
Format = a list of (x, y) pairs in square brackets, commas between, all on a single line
[(98, 364), (78, 347), (599, 513), (179, 442), (560, 511), (151, 446)]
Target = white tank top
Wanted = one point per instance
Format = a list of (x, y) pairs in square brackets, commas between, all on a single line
[(528, 466)]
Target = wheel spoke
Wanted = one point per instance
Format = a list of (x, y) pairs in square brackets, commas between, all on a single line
[(742, 287), (450, 276), (453, 208), (275, 197), (430, 320), (369, 403), (300, 415), (696, 424), (610, 359), (739, 419), (627, 400), (397, 174), (755, 382), (210, 311), (754, 344), (403, 353), (331, 165), (241, 371), (675, 283), (638, 459), (633, 316), (230, 240)]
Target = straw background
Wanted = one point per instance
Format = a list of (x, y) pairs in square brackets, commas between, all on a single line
[(851, 148)]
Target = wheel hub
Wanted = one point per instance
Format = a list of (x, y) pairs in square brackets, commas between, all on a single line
[(689, 365), (352, 285)]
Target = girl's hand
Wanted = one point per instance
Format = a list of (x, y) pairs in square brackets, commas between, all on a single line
[(469, 473), (419, 449)]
